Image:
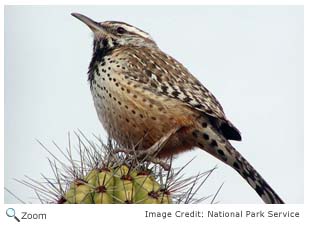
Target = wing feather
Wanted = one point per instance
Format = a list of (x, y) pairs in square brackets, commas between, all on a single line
[(164, 75)]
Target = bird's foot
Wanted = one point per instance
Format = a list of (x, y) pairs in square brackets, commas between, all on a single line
[(150, 154), (144, 156)]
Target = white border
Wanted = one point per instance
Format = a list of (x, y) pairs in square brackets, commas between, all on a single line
[(155, 2), (74, 214)]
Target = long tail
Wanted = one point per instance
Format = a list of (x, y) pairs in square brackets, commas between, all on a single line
[(256, 181), (210, 140)]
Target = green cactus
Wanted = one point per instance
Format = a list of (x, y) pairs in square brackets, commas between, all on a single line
[(117, 185), (102, 175)]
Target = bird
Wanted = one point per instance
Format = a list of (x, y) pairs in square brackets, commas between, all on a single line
[(142, 93)]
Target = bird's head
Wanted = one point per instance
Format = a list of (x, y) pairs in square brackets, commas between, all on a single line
[(112, 34)]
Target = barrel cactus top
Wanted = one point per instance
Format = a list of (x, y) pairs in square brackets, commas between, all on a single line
[(102, 175)]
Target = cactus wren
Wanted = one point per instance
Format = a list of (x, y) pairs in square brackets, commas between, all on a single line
[(141, 93)]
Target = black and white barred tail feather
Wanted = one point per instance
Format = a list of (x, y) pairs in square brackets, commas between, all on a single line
[(210, 140)]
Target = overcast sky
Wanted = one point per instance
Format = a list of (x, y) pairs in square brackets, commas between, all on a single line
[(251, 58)]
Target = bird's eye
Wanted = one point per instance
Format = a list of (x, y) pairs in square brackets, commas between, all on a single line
[(121, 30)]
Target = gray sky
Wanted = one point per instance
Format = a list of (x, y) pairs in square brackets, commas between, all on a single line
[(251, 58)]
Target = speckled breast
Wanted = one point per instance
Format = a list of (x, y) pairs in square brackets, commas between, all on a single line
[(129, 112)]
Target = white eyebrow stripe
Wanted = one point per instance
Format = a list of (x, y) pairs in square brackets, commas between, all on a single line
[(136, 30)]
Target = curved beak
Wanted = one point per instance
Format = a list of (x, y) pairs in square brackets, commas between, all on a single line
[(94, 26)]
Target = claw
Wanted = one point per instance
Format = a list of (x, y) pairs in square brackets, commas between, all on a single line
[(164, 165), (118, 150)]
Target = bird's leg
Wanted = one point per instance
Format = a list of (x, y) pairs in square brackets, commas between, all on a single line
[(151, 153), (156, 147)]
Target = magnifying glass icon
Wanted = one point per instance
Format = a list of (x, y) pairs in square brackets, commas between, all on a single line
[(10, 212)]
